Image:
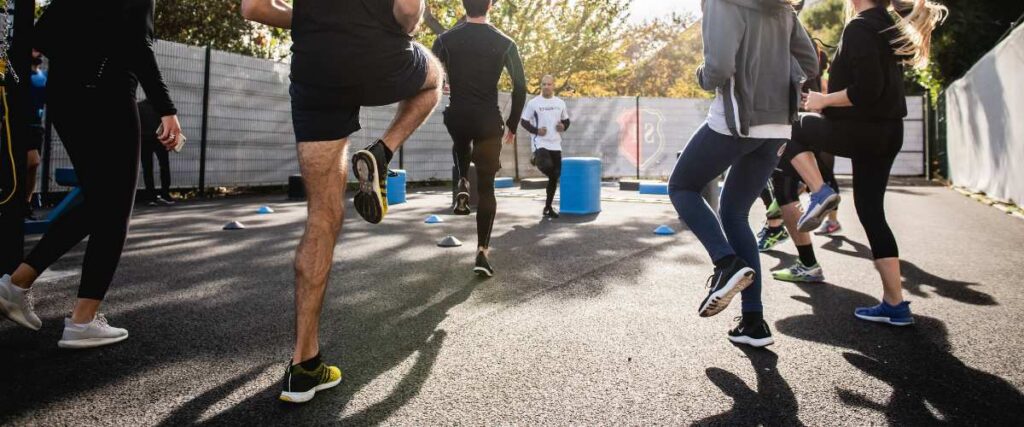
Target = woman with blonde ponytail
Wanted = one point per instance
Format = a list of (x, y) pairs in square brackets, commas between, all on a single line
[(862, 118)]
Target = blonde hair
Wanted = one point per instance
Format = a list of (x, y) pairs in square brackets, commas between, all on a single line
[(917, 20)]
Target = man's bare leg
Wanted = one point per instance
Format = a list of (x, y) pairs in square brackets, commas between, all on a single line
[(413, 112), (324, 174), (31, 168)]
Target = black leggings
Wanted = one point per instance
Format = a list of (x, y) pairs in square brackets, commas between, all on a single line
[(550, 164), (100, 132), (149, 148), (477, 138), (872, 148)]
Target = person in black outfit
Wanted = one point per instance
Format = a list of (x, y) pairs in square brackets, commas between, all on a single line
[(862, 118), (91, 101), (474, 53), (346, 55), (150, 121)]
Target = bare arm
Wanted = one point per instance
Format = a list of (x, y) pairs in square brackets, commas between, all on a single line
[(275, 13), (818, 101), (409, 13)]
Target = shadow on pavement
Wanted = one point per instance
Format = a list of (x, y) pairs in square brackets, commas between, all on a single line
[(929, 384), (914, 278), (772, 404)]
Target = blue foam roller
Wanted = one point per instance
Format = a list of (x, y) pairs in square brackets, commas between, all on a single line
[(396, 187), (659, 188), (664, 230), (580, 186), (433, 219), (504, 183)]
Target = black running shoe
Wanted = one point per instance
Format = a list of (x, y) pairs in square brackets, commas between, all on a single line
[(462, 199), (752, 332), (550, 212), (725, 284), (370, 166), (483, 267), (300, 385)]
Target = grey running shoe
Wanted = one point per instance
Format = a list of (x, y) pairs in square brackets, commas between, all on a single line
[(16, 304), (93, 334)]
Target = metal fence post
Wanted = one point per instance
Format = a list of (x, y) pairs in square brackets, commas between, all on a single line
[(638, 137), (205, 122), (926, 114), (515, 156)]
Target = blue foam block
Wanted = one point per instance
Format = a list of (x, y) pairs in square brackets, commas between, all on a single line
[(664, 230), (660, 188), (504, 183), (580, 186)]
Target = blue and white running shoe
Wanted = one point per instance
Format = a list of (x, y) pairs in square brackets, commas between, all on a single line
[(824, 201), (898, 315)]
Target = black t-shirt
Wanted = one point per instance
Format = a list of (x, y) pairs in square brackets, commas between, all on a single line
[(867, 67), (474, 56), (338, 43)]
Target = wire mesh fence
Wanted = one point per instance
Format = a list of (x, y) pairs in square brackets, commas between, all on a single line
[(236, 113)]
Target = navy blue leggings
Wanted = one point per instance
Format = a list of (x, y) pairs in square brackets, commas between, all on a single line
[(707, 156)]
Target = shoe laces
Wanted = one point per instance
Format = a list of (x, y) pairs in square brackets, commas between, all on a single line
[(101, 320)]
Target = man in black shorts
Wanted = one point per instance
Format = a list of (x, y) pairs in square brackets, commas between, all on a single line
[(474, 53), (347, 54)]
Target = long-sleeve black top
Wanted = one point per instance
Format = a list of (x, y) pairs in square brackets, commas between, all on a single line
[(867, 67), (474, 56), (106, 44)]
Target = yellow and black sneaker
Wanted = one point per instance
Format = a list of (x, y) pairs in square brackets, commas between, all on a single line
[(371, 168), (301, 384)]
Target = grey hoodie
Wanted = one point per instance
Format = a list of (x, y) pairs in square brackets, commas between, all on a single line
[(757, 55)]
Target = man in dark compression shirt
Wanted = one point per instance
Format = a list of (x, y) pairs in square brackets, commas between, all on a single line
[(347, 54), (474, 53)]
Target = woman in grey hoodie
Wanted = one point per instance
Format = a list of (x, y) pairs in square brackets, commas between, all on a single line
[(756, 56)]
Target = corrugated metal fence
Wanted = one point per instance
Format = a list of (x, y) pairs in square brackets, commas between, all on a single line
[(250, 141)]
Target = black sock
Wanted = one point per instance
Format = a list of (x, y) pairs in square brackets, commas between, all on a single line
[(806, 255), (724, 261), (753, 316), (387, 151), (774, 230), (311, 364)]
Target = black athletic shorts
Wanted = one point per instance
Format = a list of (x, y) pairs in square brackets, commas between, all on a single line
[(322, 113), (36, 134)]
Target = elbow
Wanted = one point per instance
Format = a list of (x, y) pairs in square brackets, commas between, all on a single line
[(408, 13)]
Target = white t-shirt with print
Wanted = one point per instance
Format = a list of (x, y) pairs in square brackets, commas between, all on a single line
[(546, 112)]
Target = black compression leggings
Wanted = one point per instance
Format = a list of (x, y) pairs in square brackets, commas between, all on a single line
[(550, 164), (478, 140), (100, 132), (872, 148)]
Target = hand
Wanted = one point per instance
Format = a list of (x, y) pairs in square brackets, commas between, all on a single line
[(447, 90), (560, 128), (510, 138), (171, 128), (542, 131), (815, 102)]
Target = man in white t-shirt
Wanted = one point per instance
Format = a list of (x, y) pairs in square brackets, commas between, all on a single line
[(546, 117)]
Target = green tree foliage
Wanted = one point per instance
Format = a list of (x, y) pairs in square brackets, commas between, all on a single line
[(589, 46), (218, 24), (824, 20), (972, 29)]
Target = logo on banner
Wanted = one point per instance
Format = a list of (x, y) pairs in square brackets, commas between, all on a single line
[(651, 139)]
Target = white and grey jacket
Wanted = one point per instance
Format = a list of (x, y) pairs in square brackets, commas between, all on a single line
[(757, 55)]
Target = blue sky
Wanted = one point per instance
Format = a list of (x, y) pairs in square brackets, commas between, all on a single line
[(645, 9)]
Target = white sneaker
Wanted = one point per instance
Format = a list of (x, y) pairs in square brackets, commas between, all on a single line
[(93, 334), (16, 304)]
